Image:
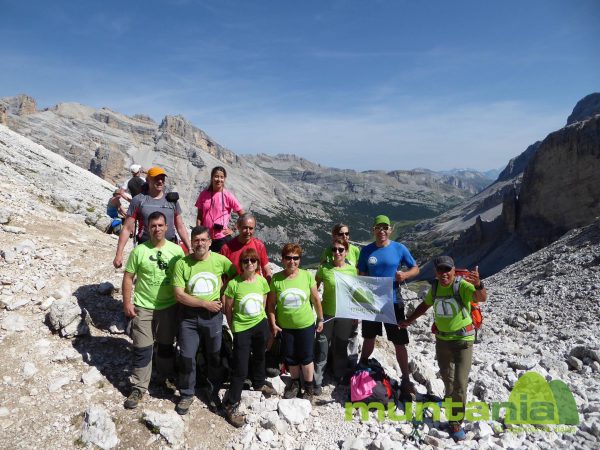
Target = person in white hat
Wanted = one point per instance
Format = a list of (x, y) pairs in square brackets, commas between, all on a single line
[(135, 183)]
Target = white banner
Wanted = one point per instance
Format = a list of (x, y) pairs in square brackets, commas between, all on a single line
[(365, 298)]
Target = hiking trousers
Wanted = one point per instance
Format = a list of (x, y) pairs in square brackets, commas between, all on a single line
[(454, 359), (199, 327), (252, 340), (149, 326), (336, 334)]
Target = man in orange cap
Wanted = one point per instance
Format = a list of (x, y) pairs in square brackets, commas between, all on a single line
[(145, 204)]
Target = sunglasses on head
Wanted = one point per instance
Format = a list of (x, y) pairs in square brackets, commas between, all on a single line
[(249, 260), (338, 249), (290, 257)]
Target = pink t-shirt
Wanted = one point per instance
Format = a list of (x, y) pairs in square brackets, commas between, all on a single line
[(216, 208)]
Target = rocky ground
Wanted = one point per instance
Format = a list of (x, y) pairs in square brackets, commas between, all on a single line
[(65, 359)]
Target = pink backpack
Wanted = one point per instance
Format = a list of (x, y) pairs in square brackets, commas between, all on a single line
[(361, 386)]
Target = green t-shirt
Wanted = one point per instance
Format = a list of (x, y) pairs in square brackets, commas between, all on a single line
[(448, 314), (248, 302), (326, 274), (294, 310), (351, 256), (202, 279), (153, 288)]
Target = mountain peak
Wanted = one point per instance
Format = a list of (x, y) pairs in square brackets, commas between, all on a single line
[(585, 108)]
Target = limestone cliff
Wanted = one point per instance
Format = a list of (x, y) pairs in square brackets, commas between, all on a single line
[(560, 189)]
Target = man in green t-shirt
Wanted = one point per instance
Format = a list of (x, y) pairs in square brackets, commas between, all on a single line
[(153, 311), (198, 280), (455, 332)]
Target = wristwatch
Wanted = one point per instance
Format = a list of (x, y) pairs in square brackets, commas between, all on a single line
[(480, 287)]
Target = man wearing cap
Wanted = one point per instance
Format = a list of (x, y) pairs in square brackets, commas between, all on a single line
[(135, 183), (384, 258), (145, 204), (246, 223), (455, 333)]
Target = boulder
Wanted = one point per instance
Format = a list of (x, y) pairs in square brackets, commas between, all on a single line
[(98, 428), (169, 424), (295, 410)]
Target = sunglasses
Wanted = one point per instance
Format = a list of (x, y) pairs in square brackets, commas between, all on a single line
[(249, 260), (443, 269), (382, 227), (159, 261), (289, 258), (338, 249), (347, 233)]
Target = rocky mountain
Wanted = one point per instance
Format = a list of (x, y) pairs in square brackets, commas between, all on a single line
[(587, 107), (294, 169), (544, 192), (295, 200), (66, 361)]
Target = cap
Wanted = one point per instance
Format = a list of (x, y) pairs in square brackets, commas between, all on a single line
[(156, 171), (135, 168), (381, 219), (443, 262)]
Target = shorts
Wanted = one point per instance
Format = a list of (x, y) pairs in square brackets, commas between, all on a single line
[(398, 336), (298, 346)]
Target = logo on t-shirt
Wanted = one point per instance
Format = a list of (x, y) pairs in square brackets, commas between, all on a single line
[(292, 298), (446, 307), (252, 304), (203, 283), (372, 260)]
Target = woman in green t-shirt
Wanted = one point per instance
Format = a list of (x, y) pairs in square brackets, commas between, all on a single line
[(290, 312), (245, 298), (337, 331)]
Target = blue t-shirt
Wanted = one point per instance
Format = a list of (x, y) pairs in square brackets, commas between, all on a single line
[(385, 261)]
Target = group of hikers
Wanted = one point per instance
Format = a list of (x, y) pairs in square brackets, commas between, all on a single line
[(180, 301)]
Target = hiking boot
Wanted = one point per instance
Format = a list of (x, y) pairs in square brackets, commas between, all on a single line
[(407, 389), (457, 432), (267, 390), (233, 416), (292, 390), (183, 406), (134, 399), (317, 389), (309, 393)]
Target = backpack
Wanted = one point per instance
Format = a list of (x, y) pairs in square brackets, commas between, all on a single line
[(139, 224), (476, 317), (370, 383)]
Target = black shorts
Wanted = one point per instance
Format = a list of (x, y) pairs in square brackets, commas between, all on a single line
[(297, 345), (394, 334)]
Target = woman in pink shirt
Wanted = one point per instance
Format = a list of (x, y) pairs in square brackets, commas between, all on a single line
[(215, 205)]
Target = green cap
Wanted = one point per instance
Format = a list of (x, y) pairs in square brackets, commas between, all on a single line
[(381, 219)]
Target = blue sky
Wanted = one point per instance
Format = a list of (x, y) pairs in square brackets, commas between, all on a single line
[(349, 84)]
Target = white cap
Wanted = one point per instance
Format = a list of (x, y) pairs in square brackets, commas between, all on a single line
[(135, 168)]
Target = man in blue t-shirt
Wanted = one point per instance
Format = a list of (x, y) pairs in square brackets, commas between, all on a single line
[(384, 258)]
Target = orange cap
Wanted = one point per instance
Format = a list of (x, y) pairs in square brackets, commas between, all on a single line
[(156, 171)]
